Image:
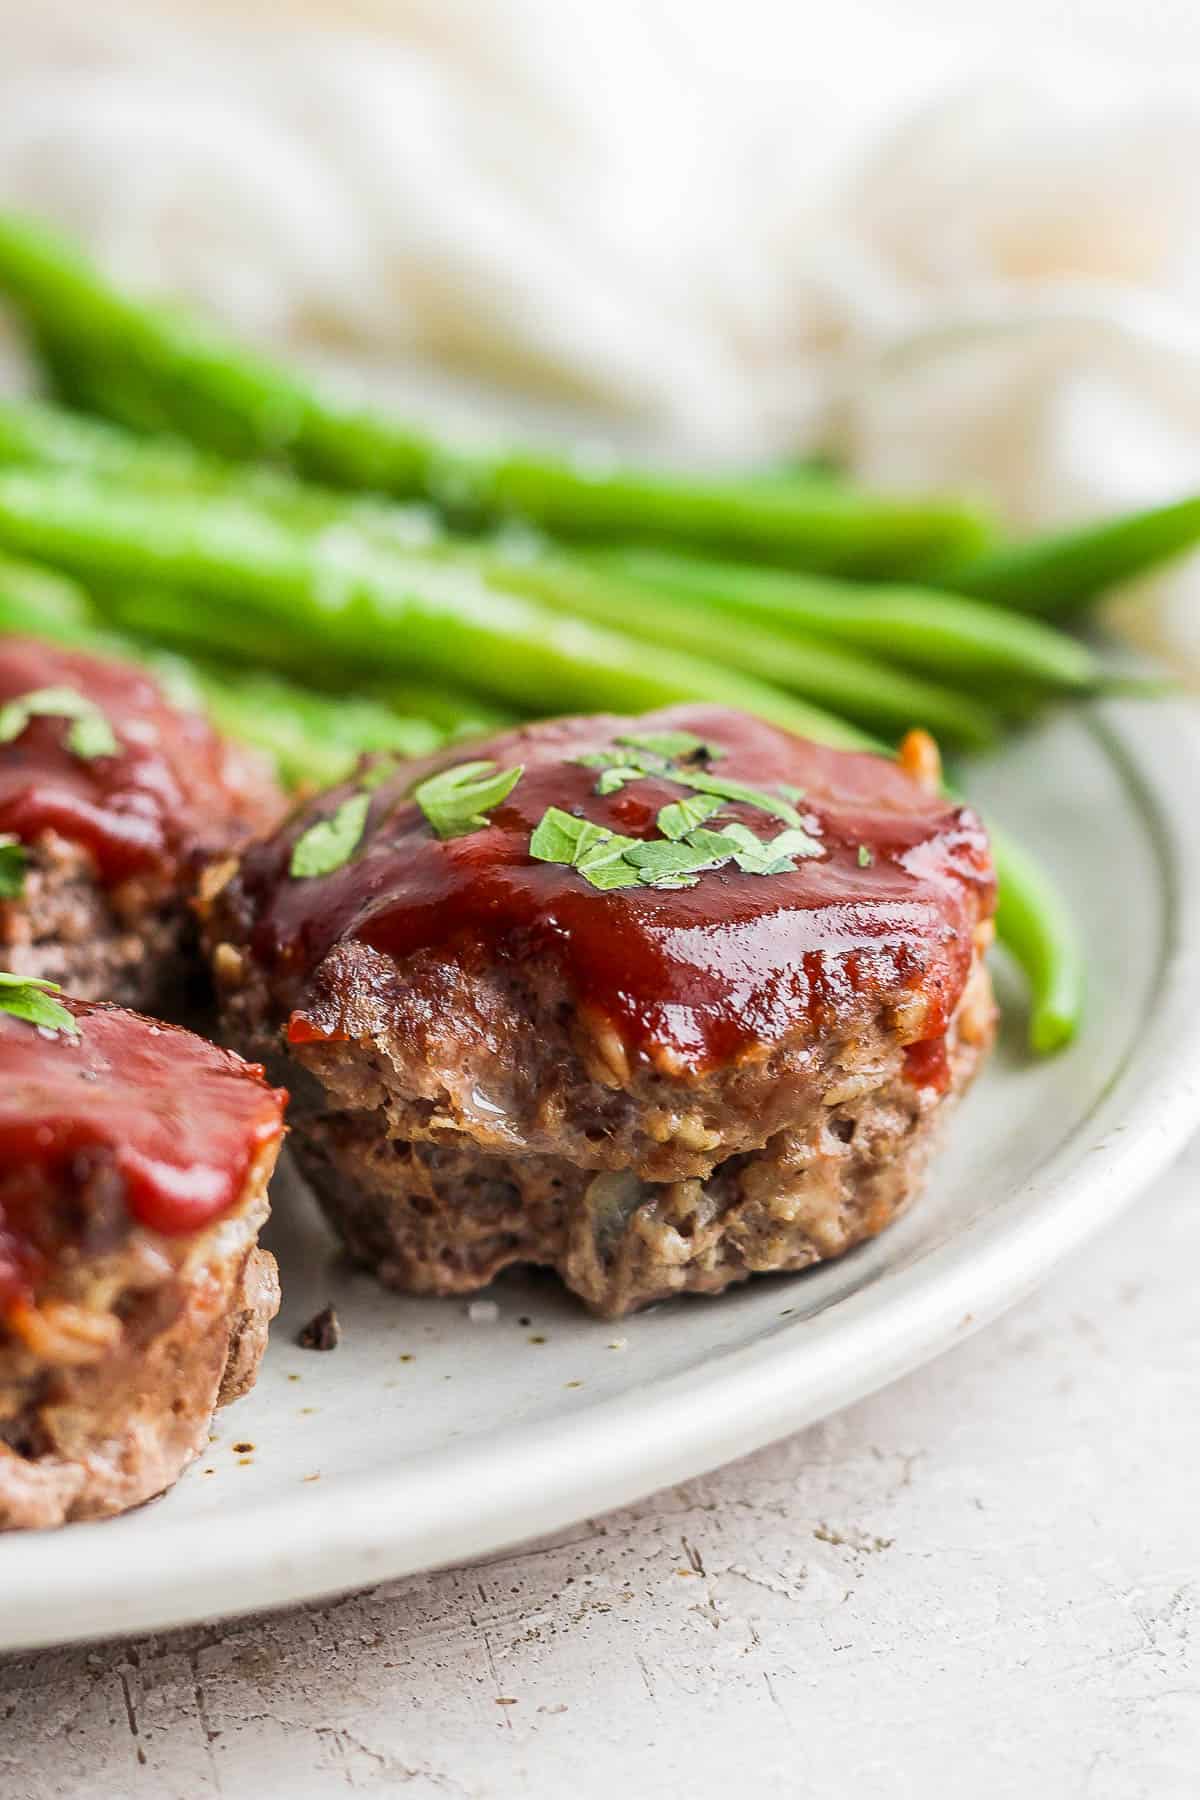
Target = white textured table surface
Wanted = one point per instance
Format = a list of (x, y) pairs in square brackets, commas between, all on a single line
[(988, 1575)]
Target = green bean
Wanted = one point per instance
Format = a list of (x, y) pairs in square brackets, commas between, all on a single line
[(454, 710), (817, 524), (22, 616), (242, 406), (1034, 922), (315, 740), (385, 611), (862, 688), (858, 687), (33, 432), (920, 628), (1061, 574), (223, 628), (44, 594), (37, 434)]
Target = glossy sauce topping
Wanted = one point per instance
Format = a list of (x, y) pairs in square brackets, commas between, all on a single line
[(167, 1124), (690, 978), (175, 790)]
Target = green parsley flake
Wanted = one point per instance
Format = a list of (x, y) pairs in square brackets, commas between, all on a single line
[(682, 816), (620, 766), (456, 801), (633, 760), (90, 734), (614, 779), (608, 860), (737, 791), (596, 852), (662, 863), (556, 836), (330, 843), (866, 856), (686, 847), (13, 858), (29, 999), (754, 857), (654, 753), (673, 746)]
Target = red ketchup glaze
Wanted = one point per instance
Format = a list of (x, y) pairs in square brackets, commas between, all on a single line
[(927, 1064), (173, 792), (692, 977), (177, 1121)]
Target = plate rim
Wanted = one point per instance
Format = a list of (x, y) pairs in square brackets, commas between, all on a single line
[(390, 1524)]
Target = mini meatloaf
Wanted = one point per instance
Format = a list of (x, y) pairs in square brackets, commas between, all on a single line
[(110, 800), (497, 1058), (134, 1161)]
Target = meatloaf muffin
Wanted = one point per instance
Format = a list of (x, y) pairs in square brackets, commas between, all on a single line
[(134, 1161), (684, 1004), (110, 799)]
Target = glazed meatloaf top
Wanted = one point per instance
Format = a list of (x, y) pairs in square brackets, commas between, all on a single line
[(127, 1126), (514, 998), (92, 751)]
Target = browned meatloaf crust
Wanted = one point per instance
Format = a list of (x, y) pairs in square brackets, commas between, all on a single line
[(439, 1217), (129, 1309), (126, 944), (654, 1093), (112, 843)]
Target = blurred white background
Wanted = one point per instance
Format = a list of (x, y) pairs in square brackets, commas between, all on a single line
[(961, 241)]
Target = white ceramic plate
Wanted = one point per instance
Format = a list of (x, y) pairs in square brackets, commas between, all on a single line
[(426, 1438)]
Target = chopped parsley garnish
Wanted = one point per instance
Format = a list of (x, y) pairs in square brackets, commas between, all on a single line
[(681, 757), (687, 847), (866, 856), (682, 816), (619, 766), (754, 857), (29, 999), (614, 779), (13, 857), (90, 734), (673, 746), (579, 844), (330, 843), (608, 860), (660, 863), (455, 801), (705, 783)]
